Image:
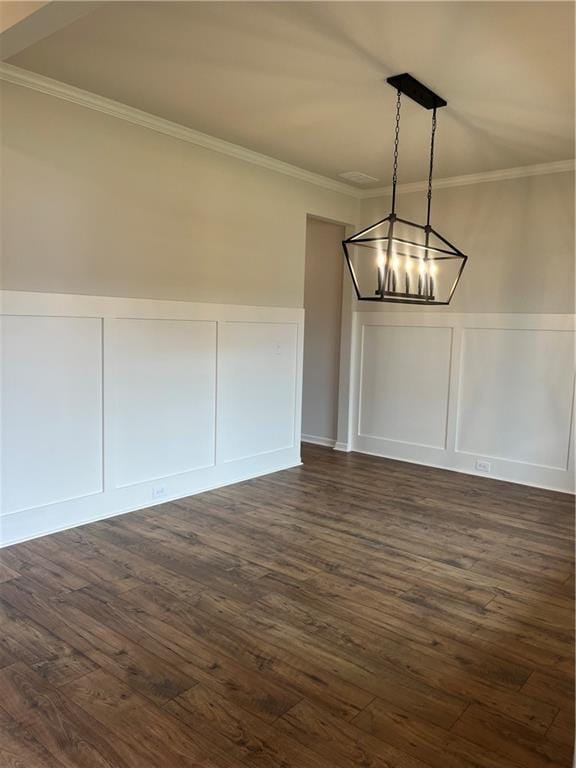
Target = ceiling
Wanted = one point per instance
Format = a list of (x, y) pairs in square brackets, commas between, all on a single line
[(305, 82)]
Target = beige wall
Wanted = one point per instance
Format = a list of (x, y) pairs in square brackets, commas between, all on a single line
[(518, 234), (322, 302), (92, 204), (95, 205)]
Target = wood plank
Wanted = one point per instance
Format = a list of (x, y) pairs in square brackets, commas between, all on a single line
[(415, 618), (519, 706), (435, 746), (240, 734), (65, 550), (562, 729), (29, 642), (145, 671), (35, 566), (60, 726), (175, 556), (293, 672), (515, 742), (19, 749), (343, 743), (218, 672), (558, 692), (156, 738), (6, 573)]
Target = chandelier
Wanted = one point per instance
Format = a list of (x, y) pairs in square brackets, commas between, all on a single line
[(398, 260)]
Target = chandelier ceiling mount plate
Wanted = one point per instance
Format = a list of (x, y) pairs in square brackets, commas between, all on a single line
[(416, 91)]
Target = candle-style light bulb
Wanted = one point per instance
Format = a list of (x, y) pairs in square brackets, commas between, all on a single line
[(421, 277), (407, 272), (380, 263), (433, 269), (394, 264)]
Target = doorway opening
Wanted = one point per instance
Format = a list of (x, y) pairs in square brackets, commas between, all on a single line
[(323, 306)]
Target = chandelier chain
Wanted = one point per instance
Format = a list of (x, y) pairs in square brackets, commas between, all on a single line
[(396, 143), (429, 195)]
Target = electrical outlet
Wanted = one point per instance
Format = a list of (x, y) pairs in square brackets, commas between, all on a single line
[(158, 491), (483, 466)]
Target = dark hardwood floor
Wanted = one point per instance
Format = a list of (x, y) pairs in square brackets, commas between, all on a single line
[(350, 613)]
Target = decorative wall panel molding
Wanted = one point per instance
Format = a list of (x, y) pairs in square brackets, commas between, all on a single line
[(404, 382), (114, 404), (165, 369), (51, 410), (491, 395), (515, 395), (257, 392)]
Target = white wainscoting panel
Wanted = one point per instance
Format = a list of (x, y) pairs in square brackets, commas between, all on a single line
[(51, 410), (257, 393), (162, 393), (396, 401), (516, 395), (491, 395), (114, 404)]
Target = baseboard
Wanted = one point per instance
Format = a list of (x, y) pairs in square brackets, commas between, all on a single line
[(28, 524), (327, 442), (548, 480), (343, 447)]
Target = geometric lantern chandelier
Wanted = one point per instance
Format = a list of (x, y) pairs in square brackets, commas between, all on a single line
[(398, 260)]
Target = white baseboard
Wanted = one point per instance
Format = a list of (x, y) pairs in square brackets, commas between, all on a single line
[(498, 475), (343, 447), (327, 442)]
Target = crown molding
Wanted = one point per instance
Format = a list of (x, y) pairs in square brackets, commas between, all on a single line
[(520, 172), (27, 79), (23, 77)]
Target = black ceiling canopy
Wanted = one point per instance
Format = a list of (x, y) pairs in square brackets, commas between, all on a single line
[(416, 91)]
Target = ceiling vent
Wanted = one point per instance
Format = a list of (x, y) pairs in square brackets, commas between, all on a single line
[(358, 178)]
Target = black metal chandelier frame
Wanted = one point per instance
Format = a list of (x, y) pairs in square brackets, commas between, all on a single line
[(387, 287)]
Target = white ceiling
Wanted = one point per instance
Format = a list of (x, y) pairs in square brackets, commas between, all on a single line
[(305, 82)]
